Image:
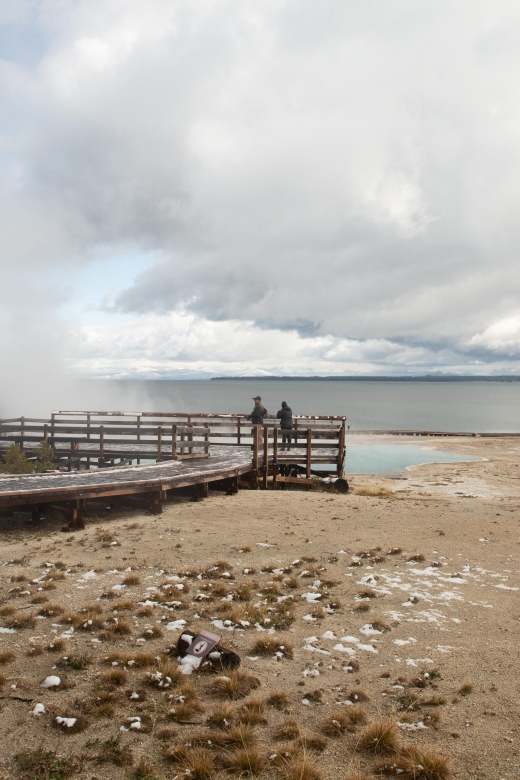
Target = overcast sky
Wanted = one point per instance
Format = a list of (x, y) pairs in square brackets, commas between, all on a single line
[(270, 186)]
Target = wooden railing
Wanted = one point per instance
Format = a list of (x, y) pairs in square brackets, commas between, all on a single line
[(102, 438)]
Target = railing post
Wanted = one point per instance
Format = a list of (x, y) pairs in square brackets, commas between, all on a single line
[(266, 455), (206, 439), (190, 435), (341, 450), (308, 453), (159, 443), (22, 432), (174, 442), (255, 447), (238, 431), (275, 446), (101, 445), (46, 433)]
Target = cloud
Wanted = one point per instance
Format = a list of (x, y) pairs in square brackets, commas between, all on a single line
[(340, 178)]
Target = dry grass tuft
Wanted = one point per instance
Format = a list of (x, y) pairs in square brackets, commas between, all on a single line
[(313, 742), (20, 620), (466, 688), (56, 646), (252, 712), (222, 717), (235, 686), (299, 768), (123, 606), (112, 752), (152, 633), (50, 610), (244, 761), (43, 764), (144, 660), (366, 594), (357, 774), (132, 579), (115, 677), (357, 714), (379, 737), (268, 646), (144, 771), (66, 725), (363, 606), (425, 764), (239, 736), (336, 724), (6, 657), (120, 627), (289, 729), (278, 699)]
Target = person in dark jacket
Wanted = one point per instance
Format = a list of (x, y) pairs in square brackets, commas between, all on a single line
[(285, 416), (258, 413)]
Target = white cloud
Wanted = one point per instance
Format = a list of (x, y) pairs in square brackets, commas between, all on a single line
[(345, 171)]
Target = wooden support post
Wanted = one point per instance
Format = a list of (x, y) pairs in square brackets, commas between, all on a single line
[(52, 443), (238, 431), (138, 435), (76, 523), (156, 507), (88, 439), (275, 446), (266, 455), (206, 439), (159, 443), (183, 438), (200, 491), (22, 432), (308, 453), (174, 442), (46, 433)]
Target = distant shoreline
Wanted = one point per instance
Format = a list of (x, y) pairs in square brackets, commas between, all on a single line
[(370, 378)]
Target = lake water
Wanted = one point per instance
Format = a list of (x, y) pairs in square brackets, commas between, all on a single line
[(394, 458), (368, 405)]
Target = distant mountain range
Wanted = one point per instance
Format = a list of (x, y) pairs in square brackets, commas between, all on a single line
[(426, 378)]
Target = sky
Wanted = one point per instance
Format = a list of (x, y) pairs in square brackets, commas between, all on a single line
[(228, 187)]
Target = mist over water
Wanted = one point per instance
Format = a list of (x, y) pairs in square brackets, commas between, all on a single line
[(368, 405)]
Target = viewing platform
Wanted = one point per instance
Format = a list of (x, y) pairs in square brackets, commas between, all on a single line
[(107, 454)]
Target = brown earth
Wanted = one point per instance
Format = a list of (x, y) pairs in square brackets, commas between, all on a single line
[(447, 604)]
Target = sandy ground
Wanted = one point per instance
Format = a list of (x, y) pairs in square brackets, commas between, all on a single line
[(403, 594)]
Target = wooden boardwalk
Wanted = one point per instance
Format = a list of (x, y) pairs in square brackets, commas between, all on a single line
[(188, 452)]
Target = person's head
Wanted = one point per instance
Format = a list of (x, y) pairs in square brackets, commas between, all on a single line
[(284, 404), (257, 399)]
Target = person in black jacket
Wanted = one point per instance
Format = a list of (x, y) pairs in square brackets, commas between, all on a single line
[(258, 413), (285, 416)]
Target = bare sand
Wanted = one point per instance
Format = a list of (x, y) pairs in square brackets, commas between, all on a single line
[(403, 594)]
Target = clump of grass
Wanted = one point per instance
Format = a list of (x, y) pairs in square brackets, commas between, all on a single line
[(318, 613), (362, 606), (289, 729), (70, 722), (336, 724), (366, 594), (222, 717), (115, 678), (7, 610), (184, 711), (6, 657), (120, 627), (35, 650), (268, 646), (278, 699), (124, 606), (166, 675), (20, 620), (244, 761), (152, 633), (144, 660), (242, 591), (357, 695), (435, 701), (132, 579), (357, 714), (425, 764), (466, 688), (379, 737), (419, 558), (394, 551), (240, 735), (300, 768), (43, 764), (235, 686), (314, 742), (56, 645), (144, 771), (76, 662), (50, 610), (112, 752), (252, 712), (39, 598), (48, 585), (357, 774)]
